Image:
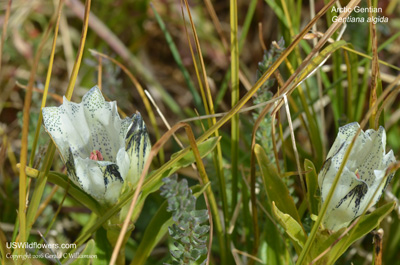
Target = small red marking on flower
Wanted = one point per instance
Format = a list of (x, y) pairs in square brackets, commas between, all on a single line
[(358, 175), (96, 155)]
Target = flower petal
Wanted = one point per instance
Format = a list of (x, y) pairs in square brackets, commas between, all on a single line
[(101, 179), (345, 134), (361, 181), (103, 120), (372, 155), (87, 126), (347, 201), (62, 130), (138, 147), (123, 162)]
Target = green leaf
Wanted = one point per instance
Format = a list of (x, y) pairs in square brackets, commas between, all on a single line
[(352, 77), (156, 229), (103, 247), (272, 249), (276, 189), (316, 61), (291, 227), (314, 132), (204, 149), (312, 186), (199, 189), (88, 252)]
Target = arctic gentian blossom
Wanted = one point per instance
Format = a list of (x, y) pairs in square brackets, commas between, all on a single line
[(361, 176), (100, 150)]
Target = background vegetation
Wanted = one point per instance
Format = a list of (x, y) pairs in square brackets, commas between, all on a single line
[(191, 66)]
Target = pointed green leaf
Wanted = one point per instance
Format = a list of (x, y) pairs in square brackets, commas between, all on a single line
[(316, 61), (312, 185), (274, 186), (199, 189), (103, 247), (87, 255), (291, 227), (352, 77), (204, 149), (272, 250), (156, 229)]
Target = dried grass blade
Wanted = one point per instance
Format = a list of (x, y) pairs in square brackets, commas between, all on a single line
[(209, 108), (374, 70), (23, 233), (47, 83)]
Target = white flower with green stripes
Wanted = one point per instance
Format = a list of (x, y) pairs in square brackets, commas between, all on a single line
[(100, 150), (362, 175)]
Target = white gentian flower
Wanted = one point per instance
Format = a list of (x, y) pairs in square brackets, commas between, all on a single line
[(361, 176), (100, 150)]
